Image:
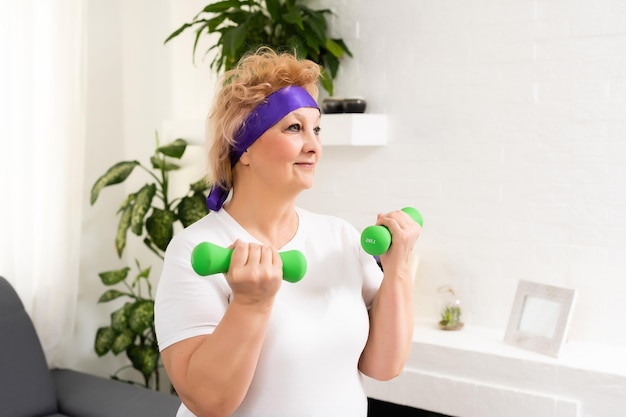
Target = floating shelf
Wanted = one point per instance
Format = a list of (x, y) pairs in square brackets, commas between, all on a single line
[(354, 129), (344, 129), (473, 372)]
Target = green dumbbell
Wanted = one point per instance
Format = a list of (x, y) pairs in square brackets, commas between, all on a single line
[(376, 240), (208, 259)]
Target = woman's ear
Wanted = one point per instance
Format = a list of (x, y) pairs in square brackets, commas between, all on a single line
[(243, 159)]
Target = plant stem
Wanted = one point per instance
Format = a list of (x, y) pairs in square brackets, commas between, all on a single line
[(130, 288), (154, 250), (151, 174)]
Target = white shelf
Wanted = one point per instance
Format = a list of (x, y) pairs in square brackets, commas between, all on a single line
[(473, 373), (344, 129), (354, 129)]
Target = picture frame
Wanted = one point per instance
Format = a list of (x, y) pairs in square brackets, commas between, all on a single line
[(540, 317)]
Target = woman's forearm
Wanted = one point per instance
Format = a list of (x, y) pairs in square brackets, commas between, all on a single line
[(391, 327), (213, 374)]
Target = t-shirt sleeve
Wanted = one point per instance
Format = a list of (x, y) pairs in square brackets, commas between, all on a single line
[(187, 304), (372, 276)]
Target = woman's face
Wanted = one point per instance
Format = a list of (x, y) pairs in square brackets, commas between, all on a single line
[(285, 156)]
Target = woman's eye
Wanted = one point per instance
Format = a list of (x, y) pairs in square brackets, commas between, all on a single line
[(317, 130), (296, 127)]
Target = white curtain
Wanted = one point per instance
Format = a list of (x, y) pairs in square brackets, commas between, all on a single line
[(41, 160)]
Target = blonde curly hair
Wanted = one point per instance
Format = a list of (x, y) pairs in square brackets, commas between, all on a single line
[(243, 88)]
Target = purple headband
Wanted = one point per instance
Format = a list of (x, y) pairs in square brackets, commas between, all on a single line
[(276, 106)]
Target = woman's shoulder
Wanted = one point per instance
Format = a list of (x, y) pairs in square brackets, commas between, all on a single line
[(209, 228), (199, 226)]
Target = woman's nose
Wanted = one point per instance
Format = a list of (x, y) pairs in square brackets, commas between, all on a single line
[(311, 141)]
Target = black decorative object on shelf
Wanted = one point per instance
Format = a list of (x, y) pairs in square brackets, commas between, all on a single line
[(332, 105), (346, 105), (354, 105)]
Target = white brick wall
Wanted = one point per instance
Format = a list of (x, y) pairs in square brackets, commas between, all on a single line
[(508, 131)]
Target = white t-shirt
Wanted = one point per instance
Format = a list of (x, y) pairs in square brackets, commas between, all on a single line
[(309, 361)]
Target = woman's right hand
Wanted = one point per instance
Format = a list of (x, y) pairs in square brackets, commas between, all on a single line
[(255, 273)]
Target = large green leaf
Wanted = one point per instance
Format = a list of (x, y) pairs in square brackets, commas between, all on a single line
[(128, 201), (238, 16), (191, 209), (199, 31), (221, 6), (200, 185), (160, 227), (178, 32), (143, 202), (313, 43), (143, 273), (175, 149), (119, 318), (315, 21), (213, 23), (104, 340), (122, 341), (273, 7), (332, 64), (144, 358), (232, 40), (110, 295), (161, 163), (327, 82), (122, 229), (294, 16), (343, 45), (334, 48), (109, 278), (116, 174), (141, 316)]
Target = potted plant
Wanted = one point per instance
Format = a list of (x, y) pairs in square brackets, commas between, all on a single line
[(450, 314), (283, 25), (149, 213), (451, 318)]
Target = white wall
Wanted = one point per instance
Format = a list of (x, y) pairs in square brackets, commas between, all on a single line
[(128, 95), (507, 130)]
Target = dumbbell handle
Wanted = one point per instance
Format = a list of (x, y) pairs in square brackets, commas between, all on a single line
[(376, 240), (208, 259)]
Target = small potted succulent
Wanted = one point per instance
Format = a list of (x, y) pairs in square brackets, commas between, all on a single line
[(450, 314)]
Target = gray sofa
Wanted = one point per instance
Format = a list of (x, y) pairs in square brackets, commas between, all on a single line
[(29, 389)]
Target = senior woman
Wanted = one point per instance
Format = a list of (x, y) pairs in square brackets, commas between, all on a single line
[(245, 343)]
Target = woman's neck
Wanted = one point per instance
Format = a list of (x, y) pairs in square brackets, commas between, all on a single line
[(272, 223)]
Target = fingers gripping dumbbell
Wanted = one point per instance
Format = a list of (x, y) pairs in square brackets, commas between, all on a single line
[(376, 240)]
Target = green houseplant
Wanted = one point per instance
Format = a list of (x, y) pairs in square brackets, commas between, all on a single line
[(450, 318), (148, 213), (450, 313), (283, 25)]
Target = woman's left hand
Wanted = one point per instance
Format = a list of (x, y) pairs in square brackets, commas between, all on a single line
[(404, 233)]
